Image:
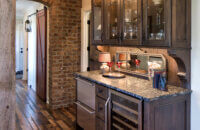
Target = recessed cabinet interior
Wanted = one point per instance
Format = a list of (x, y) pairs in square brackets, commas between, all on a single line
[(157, 22), (139, 22)]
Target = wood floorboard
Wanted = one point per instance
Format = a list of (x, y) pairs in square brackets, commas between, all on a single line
[(34, 114)]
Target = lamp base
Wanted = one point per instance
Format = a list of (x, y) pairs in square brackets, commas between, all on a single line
[(104, 68)]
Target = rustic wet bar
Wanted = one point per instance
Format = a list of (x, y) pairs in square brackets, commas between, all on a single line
[(132, 103)]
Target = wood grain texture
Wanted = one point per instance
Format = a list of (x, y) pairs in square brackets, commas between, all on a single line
[(7, 64), (33, 114)]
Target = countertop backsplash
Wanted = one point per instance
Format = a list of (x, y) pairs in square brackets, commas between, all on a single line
[(172, 67)]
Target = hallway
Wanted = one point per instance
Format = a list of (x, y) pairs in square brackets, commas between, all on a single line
[(32, 113)]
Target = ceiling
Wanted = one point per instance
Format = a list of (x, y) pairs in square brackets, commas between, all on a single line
[(23, 6)]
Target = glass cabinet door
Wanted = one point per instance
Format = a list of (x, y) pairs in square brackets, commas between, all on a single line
[(111, 19), (157, 21), (131, 21), (97, 21)]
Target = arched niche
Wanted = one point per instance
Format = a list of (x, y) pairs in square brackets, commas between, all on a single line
[(182, 58)]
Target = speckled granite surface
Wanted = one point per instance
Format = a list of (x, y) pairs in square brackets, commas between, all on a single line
[(132, 86)]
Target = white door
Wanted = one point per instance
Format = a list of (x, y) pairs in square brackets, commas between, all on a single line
[(32, 54), (19, 45)]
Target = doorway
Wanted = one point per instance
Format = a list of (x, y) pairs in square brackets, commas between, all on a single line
[(31, 65)]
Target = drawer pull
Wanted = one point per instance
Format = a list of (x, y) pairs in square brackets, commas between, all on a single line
[(86, 82), (83, 107)]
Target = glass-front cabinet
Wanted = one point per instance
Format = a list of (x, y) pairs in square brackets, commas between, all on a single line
[(157, 22), (97, 22), (112, 22), (131, 22)]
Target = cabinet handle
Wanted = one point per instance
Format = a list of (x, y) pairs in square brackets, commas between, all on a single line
[(102, 36), (121, 37), (81, 80), (106, 113), (78, 104)]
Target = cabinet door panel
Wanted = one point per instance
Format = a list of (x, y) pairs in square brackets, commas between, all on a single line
[(111, 20), (131, 22), (157, 22), (97, 21)]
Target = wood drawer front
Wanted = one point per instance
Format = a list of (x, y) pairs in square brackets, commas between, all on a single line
[(100, 108), (86, 92), (100, 125), (102, 91)]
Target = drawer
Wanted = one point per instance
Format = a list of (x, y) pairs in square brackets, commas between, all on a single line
[(100, 108), (102, 91), (85, 117), (86, 93), (100, 125)]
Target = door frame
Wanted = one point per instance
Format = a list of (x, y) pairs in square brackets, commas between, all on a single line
[(85, 16)]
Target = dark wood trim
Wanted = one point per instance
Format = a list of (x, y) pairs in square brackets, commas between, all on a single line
[(96, 42), (181, 27)]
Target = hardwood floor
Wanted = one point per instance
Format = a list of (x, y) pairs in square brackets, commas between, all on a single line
[(33, 114)]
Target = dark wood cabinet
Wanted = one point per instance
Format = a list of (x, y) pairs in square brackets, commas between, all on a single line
[(181, 24), (154, 23), (97, 22), (111, 20), (167, 114), (131, 22), (117, 111), (117, 22), (157, 22)]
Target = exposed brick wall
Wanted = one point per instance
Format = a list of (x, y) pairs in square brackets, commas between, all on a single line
[(64, 49)]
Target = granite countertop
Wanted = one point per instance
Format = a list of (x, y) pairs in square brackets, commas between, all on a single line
[(133, 86)]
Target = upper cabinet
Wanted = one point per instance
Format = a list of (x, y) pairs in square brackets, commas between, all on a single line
[(97, 21), (131, 22), (157, 22), (154, 23), (111, 18)]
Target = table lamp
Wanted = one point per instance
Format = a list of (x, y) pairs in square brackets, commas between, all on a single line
[(104, 58), (124, 58)]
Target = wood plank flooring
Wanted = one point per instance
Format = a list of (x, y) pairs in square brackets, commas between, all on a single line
[(33, 114)]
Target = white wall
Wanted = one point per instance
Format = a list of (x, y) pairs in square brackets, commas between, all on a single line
[(195, 104), (31, 43), (19, 43)]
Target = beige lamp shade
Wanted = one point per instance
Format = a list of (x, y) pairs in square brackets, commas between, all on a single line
[(157, 2), (104, 57), (124, 57)]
